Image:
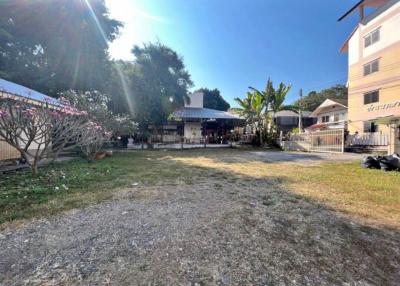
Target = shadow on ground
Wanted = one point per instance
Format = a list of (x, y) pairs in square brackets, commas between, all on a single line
[(218, 228)]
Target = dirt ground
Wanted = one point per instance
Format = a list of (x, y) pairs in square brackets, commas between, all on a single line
[(219, 228)]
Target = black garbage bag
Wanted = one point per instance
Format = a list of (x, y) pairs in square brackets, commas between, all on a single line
[(396, 161), (390, 163), (370, 163)]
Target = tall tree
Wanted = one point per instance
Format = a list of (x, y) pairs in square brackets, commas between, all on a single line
[(119, 87), (159, 83), (314, 98), (214, 100), (53, 46)]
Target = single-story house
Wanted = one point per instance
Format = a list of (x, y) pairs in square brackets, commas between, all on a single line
[(12, 90), (331, 114), (196, 124), (287, 120)]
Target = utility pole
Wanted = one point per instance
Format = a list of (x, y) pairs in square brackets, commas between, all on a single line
[(300, 111)]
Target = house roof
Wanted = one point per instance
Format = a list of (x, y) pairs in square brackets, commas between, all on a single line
[(317, 126), (329, 103), (290, 113), (203, 113), (351, 10), (22, 91), (366, 3), (345, 46)]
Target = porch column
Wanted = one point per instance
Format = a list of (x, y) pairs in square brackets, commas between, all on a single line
[(397, 139), (394, 143)]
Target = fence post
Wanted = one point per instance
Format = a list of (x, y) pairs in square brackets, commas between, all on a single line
[(342, 140)]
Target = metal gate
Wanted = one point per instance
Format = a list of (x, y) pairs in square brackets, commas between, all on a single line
[(329, 141)]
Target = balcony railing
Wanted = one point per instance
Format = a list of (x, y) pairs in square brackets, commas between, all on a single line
[(368, 139)]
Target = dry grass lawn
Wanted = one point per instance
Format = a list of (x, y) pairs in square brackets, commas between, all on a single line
[(200, 217), (369, 195)]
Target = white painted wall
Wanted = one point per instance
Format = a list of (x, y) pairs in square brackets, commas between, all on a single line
[(196, 100), (354, 47), (341, 112), (192, 131)]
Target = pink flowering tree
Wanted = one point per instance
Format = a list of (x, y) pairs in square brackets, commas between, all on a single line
[(97, 105), (42, 130), (95, 136)]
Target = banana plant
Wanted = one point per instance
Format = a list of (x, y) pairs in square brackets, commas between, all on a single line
[(245, 107), (261, 107), (278, 100)]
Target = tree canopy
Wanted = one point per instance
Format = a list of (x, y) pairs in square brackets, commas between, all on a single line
[(52, 46), (159, 83), (59, 46), (214, 100), (314, 99)]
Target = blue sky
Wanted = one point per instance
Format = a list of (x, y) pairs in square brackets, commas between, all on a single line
[(233, 44)]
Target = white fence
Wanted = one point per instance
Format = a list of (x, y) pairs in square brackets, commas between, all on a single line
[(330, 141), (334, 141), (368, 139)]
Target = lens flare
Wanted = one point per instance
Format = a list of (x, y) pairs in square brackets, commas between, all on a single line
[(118, 69)]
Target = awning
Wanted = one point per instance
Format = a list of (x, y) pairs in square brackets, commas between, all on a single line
[(390, 119)]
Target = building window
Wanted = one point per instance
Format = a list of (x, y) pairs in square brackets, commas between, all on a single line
[(371, 67), (370, 127), (336, 117), (372, 38), (371, 97), (325, 119)]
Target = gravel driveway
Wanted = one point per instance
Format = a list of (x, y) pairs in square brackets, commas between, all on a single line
[(212, 232)]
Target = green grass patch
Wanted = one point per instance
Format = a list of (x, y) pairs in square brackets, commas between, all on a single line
[(77, 183)]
